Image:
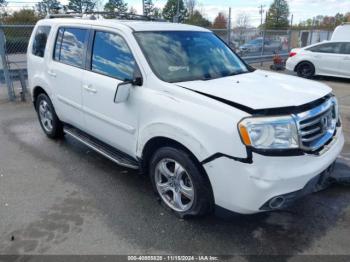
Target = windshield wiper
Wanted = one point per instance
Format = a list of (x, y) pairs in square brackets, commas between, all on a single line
[(238, 73)]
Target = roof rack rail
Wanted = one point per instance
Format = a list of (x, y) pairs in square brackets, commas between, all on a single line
[(110, 15), (50, 16)]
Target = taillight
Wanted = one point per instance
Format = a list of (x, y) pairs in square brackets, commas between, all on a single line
[(291, 54)]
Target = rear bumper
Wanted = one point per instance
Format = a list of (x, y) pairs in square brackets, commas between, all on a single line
[(246, 188), (291, 64)]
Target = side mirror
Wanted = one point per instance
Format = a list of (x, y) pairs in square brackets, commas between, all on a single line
[(122, 92)]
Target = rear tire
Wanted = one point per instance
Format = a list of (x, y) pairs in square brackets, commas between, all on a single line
[(180, 183), (48, 119), (305, 70)]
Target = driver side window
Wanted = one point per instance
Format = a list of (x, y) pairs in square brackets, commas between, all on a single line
[(111, 56)]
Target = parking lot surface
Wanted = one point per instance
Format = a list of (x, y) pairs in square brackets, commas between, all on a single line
[(62, 198)]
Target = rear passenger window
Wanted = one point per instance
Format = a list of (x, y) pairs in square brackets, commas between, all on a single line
[(331, 48), (346, 49), (111, 56), (40, 40), (69, 47)]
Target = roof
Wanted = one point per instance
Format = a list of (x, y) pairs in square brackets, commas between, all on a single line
[(131, 24)]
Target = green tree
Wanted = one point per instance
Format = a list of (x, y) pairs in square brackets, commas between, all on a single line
[(347, 17), (277, 17), (81, 6), (48, 7), (157, 13), (23, 16), (148, 7), (197, 19), (117, 6), (170, 10), (2, 11)]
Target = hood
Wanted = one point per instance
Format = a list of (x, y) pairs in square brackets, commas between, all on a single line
[(261, 90)]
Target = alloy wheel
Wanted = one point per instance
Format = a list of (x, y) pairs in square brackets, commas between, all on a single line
[(46, 116), (174, 185)]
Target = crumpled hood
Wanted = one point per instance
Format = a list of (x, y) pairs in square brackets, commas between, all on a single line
[(261, 89)]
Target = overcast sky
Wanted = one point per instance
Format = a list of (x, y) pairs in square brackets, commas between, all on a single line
[(302, 9)]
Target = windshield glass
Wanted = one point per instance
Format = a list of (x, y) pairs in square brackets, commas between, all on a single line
[(179, 56)]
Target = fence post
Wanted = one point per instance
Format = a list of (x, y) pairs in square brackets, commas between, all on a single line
[(290, 31), (10, 90), (23, 84), (229, 27)]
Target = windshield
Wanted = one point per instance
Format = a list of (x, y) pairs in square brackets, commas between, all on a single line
[(179, 56)]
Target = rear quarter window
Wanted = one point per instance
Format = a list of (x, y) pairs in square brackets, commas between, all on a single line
[(40, 40), (69, 46)]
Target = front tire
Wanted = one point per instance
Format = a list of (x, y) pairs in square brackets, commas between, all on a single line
[(179, 182), (305, 70), (48, 119)]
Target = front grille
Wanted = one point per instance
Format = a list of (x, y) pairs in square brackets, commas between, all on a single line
[(317, 126)]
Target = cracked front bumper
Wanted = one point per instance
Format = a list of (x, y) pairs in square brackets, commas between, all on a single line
[(245, 188)]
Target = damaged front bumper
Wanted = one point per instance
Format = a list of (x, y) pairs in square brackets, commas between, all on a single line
[(318, 183), (249, 188)]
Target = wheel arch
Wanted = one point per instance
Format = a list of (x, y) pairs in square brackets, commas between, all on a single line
[(157, 142), (37, 90), (304, 61)]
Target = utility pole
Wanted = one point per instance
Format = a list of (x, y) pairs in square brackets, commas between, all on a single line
[(312, 30), (229, 27), (261, 12), (290, 33), (143, 7)]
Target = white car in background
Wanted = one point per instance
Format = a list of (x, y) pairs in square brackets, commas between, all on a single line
[(329, 58), (326, 58)]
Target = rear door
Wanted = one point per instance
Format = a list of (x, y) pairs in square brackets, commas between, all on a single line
[(326, 58), (65, 72), (111, 63), (345, 61)]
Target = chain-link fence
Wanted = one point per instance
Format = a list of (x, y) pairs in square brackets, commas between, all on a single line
[(254, 45), (13, 63)]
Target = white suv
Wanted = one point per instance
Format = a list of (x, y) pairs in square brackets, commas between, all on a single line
[(175, 102)]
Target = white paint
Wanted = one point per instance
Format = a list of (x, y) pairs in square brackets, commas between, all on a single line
[(341, 33), (203, 125)]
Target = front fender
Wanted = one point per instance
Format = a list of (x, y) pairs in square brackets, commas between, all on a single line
[(173, 132)]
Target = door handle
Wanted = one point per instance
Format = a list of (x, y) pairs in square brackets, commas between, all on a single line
[(89, 89), (51, 73)]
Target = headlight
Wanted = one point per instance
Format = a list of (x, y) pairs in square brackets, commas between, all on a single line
[(269, 132)]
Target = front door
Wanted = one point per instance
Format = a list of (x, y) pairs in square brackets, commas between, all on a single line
[(111, 64), (345, 60), (326, 58)]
